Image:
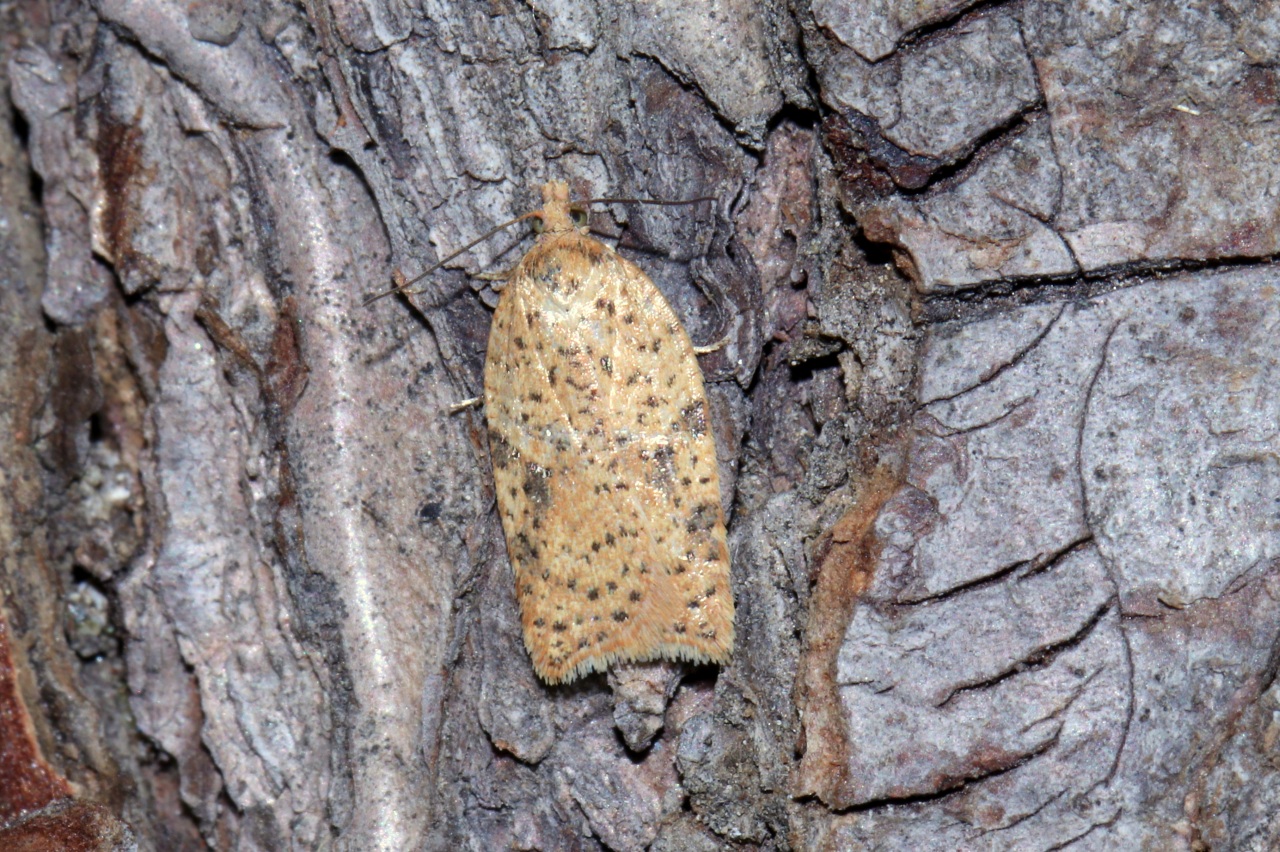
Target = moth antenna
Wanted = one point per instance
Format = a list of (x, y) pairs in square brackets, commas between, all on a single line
[(697, 200), (402, 285), (651, 201)]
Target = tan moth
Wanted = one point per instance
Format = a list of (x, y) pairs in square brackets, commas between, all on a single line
[(603, 461)]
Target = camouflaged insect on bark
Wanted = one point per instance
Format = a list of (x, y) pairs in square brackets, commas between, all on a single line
[(604, 462)]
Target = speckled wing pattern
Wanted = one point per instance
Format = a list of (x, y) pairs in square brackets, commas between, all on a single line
[(604, 466)]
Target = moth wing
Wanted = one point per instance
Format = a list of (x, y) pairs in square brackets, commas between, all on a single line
[(604, 467), (660, 427)]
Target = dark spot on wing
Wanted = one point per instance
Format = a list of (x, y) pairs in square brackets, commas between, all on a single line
[(536, 483), (695, 418), (703, 517), (523, 551), (500, 450)]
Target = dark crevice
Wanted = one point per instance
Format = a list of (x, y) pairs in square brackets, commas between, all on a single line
[(264, 251), (1012, 407), (994, 297), (949, 787), (1084, 418), (108, 644), (1013, 361), (1018, 570), (950, 174), (1130, 702), (931, 31), (995, 577), (875, 253), (1238, 582), (909, 173), (806, 369), (1039, 659), (916, 176), (21, 129), (35, 183), (1059, 186), (342, 160), (1082, 835), (805, 118), (1044, 219), (812, 84), (1272, 666), (1047, 562), (1032, 814)]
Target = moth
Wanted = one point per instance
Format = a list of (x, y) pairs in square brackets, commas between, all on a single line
[(603, 460), (604, 465)]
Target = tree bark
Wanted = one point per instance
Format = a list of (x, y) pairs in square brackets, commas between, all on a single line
[(995, 413)]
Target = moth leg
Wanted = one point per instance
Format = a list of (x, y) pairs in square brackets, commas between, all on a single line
[(437, 295), (465, 404), (497, 278), (714, 347)]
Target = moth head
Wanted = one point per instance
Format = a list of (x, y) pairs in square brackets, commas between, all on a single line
[(556, 215), (578, 216)]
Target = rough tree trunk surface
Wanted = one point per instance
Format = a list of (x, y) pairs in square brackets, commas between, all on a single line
[(997, 415)]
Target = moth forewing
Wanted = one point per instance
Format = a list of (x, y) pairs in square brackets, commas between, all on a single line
[(604, 463)]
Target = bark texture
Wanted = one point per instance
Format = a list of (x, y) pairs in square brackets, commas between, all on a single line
[(996, 414)]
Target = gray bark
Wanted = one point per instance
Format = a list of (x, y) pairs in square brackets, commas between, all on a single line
[(996, 414)]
